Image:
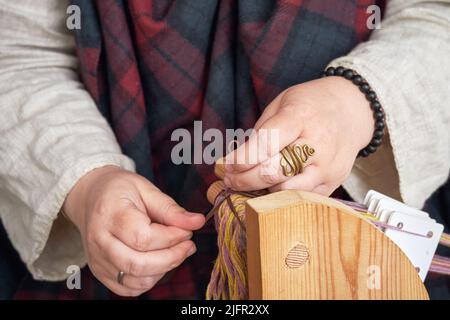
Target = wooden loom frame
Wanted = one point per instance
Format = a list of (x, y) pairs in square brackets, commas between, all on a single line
[(342, 255)]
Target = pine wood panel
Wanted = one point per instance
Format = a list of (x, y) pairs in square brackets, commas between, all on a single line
[(342, 250)]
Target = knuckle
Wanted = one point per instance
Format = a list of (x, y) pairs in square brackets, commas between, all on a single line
[(236, 183), (169, 206), (146, 283), (175, 264), (269, 179), (135, 267), (141, 179), (289, 108), (142, 240), (173, 240), (101, 207), (269, 176), (176, 259)]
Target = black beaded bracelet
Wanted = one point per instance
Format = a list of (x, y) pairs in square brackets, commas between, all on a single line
[(371, 96)]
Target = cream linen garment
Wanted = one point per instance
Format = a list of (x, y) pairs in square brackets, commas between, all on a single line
[(51, 133)]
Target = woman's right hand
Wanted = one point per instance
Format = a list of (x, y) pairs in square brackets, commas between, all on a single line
[(127, 224)]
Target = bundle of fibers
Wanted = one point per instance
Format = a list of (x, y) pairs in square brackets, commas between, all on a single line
[(229, 276)]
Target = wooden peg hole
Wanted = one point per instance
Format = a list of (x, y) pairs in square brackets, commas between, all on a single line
[(297, 256)]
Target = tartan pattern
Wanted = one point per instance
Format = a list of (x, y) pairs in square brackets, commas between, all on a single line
[(155, 66)]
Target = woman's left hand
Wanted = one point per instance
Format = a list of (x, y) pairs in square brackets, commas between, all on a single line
[(330, 115)]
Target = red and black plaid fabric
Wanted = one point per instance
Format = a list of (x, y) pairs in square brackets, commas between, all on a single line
[(155, 66)]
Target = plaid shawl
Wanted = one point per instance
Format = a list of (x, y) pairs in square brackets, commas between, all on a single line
[(154, 66)]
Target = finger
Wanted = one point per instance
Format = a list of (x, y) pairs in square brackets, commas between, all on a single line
[(141, 283), (262, 176), (121, 290), (324, 190), (276, 133), (143, 264), (164, 210), (108, 270), (134, 228), (102, 271), (308, 180), (269, 111), (266, 174)]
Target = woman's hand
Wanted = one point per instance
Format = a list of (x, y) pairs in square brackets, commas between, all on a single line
[(129, 225), (331, 115)]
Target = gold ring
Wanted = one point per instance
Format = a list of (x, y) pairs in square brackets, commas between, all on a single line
[(293, 158)]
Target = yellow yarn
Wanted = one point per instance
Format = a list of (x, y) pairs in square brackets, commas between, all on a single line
[(229, 275)]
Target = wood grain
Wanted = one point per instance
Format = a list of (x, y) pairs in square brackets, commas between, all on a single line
[(213, 191), (348, 256)]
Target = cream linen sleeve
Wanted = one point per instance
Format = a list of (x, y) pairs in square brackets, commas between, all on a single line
[(407, 63), (51, 134)]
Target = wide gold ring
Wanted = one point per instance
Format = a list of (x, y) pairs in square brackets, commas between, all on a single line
[(294, 158)]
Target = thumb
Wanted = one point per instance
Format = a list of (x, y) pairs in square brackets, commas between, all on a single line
[(163, 209)]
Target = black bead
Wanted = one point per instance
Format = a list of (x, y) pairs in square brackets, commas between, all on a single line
[(370, 149), (375, 142), (379, 115), (330, 71), (348, 74), (379, 124), (363, 153), (371, 96), (378, 134), (357, 79), (376, 106), (364, 87), (339, 71)]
